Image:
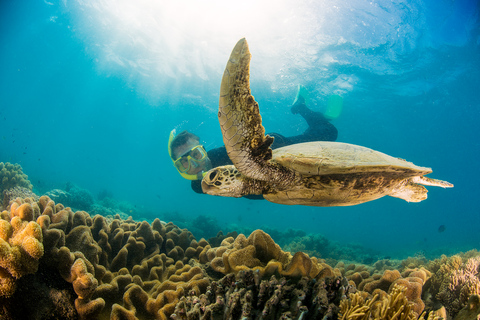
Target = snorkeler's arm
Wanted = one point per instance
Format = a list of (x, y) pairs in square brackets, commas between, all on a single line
[(197, 186)]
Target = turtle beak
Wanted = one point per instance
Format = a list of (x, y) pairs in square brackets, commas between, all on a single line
[(208, 185)]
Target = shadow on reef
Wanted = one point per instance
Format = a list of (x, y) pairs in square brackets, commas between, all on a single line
[(41, 295), (245, 296)]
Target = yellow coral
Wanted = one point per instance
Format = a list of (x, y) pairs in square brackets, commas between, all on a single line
[(21, 248)]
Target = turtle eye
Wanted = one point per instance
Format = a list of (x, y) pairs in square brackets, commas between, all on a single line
[(212, 175)]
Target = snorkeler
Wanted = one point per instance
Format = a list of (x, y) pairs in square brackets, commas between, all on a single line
[(192, 161)]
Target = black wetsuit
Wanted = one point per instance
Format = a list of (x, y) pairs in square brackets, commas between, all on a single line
[(319, 129)]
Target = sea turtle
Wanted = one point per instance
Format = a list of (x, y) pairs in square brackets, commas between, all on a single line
[(313, 173)]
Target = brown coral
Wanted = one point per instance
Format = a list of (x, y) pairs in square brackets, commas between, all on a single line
[(472, 310), (245, 296), (459, 285), (109, 262), (260, 252), (384, 283), (411, 279), (393, 306)]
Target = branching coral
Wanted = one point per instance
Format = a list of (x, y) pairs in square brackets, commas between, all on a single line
[(17, 192), (472, 310), (460, 285), (245, 296), (393, 306)]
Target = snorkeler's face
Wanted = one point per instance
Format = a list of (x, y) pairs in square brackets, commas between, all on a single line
[(191, 157)]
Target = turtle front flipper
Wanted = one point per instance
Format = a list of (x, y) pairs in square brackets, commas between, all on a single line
[(432, 182), (241, 123)]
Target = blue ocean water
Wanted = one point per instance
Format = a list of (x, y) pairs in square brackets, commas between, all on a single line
[(90, 91)]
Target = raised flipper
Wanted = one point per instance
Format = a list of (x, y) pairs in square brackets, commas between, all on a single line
[(241, 123)]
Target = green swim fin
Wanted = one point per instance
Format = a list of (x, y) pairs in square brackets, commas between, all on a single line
[(334, 107), (302, 92)]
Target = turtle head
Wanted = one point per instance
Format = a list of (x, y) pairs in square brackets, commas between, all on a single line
[(227, 181)]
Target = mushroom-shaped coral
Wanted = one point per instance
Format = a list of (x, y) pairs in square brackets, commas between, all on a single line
[(261, 253)]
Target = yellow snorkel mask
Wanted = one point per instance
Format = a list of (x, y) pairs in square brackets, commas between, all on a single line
[(192, 158)]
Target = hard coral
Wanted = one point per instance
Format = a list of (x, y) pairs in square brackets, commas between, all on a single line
[(73, 196), (472, 310), (245, 296), (411, 279), (17, 192), (460, 285), (260, 252), (20, 247), (140, 269), (393, 306), (11, 176)]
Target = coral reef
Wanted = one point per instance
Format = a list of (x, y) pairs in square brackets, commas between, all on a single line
[(259, 252), (12, 176), (472, 310), (319, 246), (73, 196), (204, 226), (457, 281), (17, 192), (21, 246), (411, 279), (392, 306), (62, 264), (110, 263), (245, 296)]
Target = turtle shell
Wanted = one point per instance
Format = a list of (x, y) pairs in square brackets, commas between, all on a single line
[(326, 158)]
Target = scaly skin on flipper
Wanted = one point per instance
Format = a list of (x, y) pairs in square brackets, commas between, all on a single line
[(241, 123)]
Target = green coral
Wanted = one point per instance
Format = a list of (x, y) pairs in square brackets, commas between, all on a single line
[(11, 176)]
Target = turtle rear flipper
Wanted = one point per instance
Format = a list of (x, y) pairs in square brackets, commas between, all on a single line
[(432, 182), (411, 192)]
